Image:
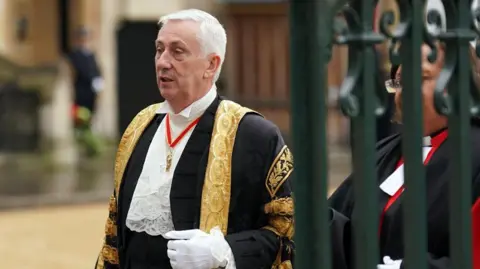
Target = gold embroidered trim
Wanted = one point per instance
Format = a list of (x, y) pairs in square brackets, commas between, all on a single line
[(280, 217), (129, 141), (281, 206), (278, 264), (283, 265), (271, 229), (127, 144), (112, 205), (217, 186), (100, 264), (280, 170), (110, 228), (281, 226), (110, 254)]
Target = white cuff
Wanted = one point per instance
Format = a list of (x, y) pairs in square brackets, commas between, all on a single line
[(389, 263), (222, 251), (230, 260)]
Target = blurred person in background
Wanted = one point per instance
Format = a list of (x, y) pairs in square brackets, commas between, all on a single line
[(437, 158), (200, 182), (386, 126), (88, 83)]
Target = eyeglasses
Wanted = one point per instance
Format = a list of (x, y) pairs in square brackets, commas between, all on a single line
[(393, 85)]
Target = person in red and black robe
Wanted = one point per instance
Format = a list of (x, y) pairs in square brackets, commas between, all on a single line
[(438, 160)]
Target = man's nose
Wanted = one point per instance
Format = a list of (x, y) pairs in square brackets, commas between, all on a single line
[(163, 61)]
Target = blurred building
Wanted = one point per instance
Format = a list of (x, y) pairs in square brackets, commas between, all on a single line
[(35, 35)]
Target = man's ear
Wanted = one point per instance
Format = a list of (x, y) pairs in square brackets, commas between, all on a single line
[(213, 65)]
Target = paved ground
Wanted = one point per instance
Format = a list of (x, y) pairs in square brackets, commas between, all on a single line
[(69, 237), (60, 237)]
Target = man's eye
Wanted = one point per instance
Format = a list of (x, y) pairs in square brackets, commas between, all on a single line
[(179, 51)]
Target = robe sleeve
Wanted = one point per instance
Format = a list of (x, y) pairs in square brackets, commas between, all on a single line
[(341, 204), (444, 262), (108, 256), (272, 243), (341, 238)]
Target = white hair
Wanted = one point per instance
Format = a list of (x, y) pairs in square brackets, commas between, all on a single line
[(212, 36)]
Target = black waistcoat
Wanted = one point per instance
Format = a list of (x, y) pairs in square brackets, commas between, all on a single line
[(185, 194)]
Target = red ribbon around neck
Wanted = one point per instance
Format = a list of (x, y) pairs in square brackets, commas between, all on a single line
[(182, 134)]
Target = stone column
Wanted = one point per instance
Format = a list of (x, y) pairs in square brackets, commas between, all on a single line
[(106, 121), (3, 25)]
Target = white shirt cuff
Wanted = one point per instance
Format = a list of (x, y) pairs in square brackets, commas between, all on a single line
[(230, 260)]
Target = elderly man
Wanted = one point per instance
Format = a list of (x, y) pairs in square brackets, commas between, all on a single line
[(200, 181)]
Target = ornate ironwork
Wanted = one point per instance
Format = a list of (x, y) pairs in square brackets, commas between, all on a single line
[(456, 97), (310, 30), (358, 39), (363, 97)]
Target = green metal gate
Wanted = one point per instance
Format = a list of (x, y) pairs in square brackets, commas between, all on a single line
[(361, 99)]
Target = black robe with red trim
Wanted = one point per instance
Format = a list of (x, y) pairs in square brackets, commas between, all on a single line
[(439, 171)]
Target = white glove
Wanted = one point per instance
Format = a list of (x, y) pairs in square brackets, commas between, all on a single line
[(389, 263), (195, 249), (97, 84)]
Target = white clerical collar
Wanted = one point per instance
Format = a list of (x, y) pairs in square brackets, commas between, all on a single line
[(195, 109), (427, 141)]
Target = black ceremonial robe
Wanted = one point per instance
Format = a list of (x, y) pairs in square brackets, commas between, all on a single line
[(438, 173), (260, 218)]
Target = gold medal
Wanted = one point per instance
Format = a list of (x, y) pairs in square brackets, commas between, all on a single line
[(171, 143), (169, 160)]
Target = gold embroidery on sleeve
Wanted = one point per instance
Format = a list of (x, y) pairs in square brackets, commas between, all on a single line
[(110, 228), (284, 265), (282, 225), (281, 206), (280, 213), (280, 217), (217, 185), (127, 144), (110, 254), (112, 205), (100, 263), (280, 170), (129, 141)]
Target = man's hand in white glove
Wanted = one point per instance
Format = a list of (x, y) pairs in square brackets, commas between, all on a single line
[(195, 249), (389, 263)]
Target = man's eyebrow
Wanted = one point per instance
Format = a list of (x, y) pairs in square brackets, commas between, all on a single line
[(178, 43)]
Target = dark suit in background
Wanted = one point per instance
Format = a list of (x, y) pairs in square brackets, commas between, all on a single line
[(86, 71)]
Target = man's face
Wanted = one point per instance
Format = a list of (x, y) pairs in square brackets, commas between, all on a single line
[(180, 65), (432, 121), (83, 41)]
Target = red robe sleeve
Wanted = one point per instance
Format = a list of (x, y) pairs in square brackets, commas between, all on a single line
[(476, 234)]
